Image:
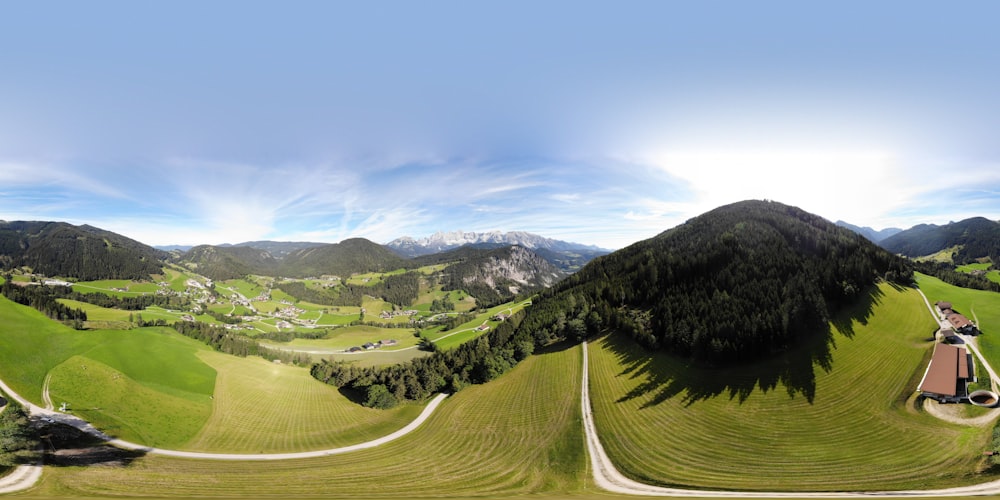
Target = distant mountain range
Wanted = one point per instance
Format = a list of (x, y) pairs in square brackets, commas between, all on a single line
[(872, 234), (442, 241), (568, 257), (972, 239)]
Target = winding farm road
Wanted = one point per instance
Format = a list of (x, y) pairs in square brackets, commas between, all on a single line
[(26, 476)]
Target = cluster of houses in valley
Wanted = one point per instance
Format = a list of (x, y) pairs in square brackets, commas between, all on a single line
[(368, 346), (952, 367), (393, 314)]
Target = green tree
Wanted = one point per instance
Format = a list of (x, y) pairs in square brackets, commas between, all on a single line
[(18, 440), (378, 396)]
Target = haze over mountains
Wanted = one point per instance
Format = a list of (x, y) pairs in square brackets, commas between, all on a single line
[(872, 234)]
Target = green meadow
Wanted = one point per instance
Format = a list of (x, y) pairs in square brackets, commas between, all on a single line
[(838, 415), (981, 306), (158, 388), (991, 274), (263, 407), (509, 438)]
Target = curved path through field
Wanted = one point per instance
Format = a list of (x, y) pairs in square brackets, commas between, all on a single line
[(607, 477), (26, 476)]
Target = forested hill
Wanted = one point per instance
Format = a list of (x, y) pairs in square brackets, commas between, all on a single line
[(735, 284), (355, 255), (350, 256), (976, 238), (224, 263), (82, 252)]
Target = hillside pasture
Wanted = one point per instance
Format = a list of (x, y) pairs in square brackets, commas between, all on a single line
[(981, 306), (991, 274), (263, 407), (344, 338), (467, 331), (944, 255), (511, 437), (843, 420), (108, 287), (125, 408)]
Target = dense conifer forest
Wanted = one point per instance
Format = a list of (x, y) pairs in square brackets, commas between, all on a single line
[(82, 252), (736, 284)]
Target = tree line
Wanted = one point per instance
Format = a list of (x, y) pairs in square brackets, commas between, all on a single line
[(45, 300), (226, 341)]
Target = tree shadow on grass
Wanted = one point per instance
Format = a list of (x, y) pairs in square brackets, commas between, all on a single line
[(668, 377), (67, 446)]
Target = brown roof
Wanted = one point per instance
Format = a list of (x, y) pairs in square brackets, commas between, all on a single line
[(958, 321), (948, 365), (943, 305)]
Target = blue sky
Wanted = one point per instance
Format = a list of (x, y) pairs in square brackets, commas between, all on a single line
[(597, 122)]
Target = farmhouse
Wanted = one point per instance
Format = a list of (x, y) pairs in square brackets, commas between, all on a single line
[(947, 375), (962, 324)]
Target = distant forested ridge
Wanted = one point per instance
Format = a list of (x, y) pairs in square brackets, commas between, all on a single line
[(226, 263), (736, 284), (81, 252), (975, 238), (399, 289), (356, 255)]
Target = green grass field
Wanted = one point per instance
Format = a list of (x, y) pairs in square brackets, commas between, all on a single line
[(981, 306), (511, 437), (849, 428), (263, 407), (991, 274), (156, 387), (944, 255), (344, 338)]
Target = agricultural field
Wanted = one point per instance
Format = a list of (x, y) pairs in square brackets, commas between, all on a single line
[(350, 336), (117, 288), (511, 437), (263, 407), (156, 387), (944, 255), (991, 274), (839, 416)]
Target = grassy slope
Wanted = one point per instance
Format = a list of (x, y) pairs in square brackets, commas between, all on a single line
[(511, 437), (665, 423), (268, 408), (992, 275), (123, 407), (982, 306), (154, 386)]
